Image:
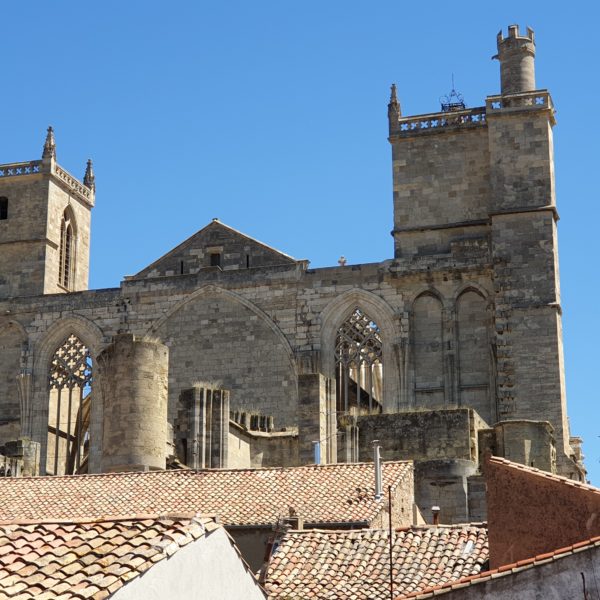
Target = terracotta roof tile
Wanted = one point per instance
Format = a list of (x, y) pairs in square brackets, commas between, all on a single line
[(64, 572), (506, 570), (321, 494), (355, 564)]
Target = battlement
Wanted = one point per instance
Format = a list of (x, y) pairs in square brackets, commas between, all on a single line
[(513, 33)]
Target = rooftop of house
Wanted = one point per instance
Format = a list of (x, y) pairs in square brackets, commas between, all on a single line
[(328, 494), (94, 558), (503, 462), (355, 564), (505, 570)]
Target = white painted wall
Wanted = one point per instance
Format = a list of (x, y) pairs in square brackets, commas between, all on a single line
[(207, 569)]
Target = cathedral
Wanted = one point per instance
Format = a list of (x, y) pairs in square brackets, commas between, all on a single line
[(227, 353)]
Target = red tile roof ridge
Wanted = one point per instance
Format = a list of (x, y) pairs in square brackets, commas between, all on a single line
[(534, 471), (332, 494), (191, 472), (507, 569), (164, 516), (420, 527)]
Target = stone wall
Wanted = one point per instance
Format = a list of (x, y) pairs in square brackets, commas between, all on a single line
[(420, 435), (12, 338), (439, 179), (531, 513)]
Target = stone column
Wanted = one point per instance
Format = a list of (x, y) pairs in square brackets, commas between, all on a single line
[(24, 387), (316, 417), (204, 425), (133, 379)]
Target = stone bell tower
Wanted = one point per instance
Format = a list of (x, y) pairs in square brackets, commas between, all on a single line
[(474, 190), (44, 226)]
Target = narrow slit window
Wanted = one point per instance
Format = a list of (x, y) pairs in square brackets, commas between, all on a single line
[(3, 208), (66, 266)]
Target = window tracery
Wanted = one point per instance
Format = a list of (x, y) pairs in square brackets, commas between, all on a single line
[(70, 382), (359, 364)]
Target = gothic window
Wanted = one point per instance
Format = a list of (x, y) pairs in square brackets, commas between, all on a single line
[(67, 250), (359, 364), (474, 354), (3, 208), (428, 359), (69, 408)]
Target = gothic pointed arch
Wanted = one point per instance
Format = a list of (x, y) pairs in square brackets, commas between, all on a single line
[(216, 336), (371, 308), (474, 365), (214, 290), (62, 380), (427, 342), (359, 364), (67, 249), (69, 407)]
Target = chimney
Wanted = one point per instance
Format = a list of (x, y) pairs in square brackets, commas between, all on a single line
[(435, 511), (377, 463), (317, 452), (294, 522)]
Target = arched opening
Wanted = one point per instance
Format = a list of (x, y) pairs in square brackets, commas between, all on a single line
[(70, 380), (474, 354), (66, 267), (428, 359), (359, 364)]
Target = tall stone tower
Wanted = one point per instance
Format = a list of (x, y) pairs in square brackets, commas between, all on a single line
[(44, 226), (474, 189)]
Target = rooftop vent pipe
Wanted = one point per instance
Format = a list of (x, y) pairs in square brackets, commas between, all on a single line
[(317, 452), (377, 463)]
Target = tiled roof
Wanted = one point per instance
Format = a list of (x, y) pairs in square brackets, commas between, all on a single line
[(355, 564), (90, 559), (506, 570), (558, 478), (320, 494)]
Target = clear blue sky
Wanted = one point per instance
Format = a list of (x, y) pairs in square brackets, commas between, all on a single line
[(272, 117)]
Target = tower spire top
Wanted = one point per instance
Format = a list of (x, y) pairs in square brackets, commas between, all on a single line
[(394, 110), (89, 179), (49, 145)]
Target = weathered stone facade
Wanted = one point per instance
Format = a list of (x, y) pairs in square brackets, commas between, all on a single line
[(465, 315)]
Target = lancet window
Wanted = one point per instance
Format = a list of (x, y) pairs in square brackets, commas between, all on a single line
[(69, 408), (67, 249), (359, 364)]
